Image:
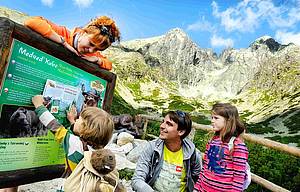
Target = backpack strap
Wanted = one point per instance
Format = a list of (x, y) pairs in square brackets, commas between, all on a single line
[(230, 143), (68, 170)]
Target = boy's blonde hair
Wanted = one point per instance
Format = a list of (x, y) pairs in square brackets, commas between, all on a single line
[(104, 31), (97, 127)]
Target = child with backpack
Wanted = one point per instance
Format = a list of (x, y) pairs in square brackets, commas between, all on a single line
[(225, 160), (92, 130), (95, 172)]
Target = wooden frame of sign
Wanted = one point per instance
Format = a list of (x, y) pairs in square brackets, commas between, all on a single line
[(18, 47)]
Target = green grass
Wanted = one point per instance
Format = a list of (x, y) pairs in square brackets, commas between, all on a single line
[(119, 106), (259, 128), (200, 140), (278, 167), (197, 104), (236, 101), (179, 105), (201, 119), (293, 122), (126, 174), (265, 98), (155, 93), (153, 128), (287, 139), (135, 89), (245, 114)]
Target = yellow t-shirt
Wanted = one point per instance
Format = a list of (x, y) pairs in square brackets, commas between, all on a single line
[(172, 174)]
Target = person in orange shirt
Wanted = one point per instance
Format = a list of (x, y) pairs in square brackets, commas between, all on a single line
[(86, 42)]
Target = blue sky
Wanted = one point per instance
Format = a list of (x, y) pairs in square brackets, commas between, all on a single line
[(210, 24)]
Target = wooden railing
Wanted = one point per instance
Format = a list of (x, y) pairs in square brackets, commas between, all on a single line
[(253, 139)]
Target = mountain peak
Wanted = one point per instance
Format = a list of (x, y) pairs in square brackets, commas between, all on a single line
[(177, 32), (263, 38), (266, 42)]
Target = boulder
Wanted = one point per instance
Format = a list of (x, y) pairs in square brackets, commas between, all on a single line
[(124, 138), (134, 154)]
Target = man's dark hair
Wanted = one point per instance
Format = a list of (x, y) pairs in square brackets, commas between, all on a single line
[(183, 120)]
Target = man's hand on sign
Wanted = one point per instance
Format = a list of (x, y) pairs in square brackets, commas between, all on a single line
[(37, 100)]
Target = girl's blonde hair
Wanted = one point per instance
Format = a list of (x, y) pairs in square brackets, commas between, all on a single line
[(104, 31), (97, 127), (233, 124)]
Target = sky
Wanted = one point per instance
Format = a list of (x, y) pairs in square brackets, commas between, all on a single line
[(217, 24)]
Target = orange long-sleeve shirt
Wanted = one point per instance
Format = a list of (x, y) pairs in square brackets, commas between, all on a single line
[(46, 28)]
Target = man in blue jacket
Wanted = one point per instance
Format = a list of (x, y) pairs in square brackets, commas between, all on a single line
[(171, 162)]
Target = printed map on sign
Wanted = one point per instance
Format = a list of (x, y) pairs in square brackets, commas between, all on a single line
[(59, 97)]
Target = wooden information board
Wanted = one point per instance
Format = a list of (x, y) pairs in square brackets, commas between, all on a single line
[(32, 65)]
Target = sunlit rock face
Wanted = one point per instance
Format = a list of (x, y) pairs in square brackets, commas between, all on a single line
[(262, 80), (200, 72), (178, 57)]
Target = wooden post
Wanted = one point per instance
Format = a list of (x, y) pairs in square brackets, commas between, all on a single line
[(145, 129), (206, 128), (151, 117), (272, 144)]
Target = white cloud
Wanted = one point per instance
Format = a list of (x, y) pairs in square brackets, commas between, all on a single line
[(248, 15), (284, 17), (288, 37), (216, 41), (48, 3), (241, 18), (83, 3), (201, 25)]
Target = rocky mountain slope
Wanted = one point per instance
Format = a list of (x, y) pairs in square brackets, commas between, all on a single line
[(14, 15), (182, 61), (262, 80)]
